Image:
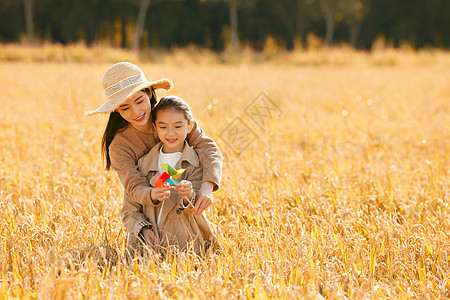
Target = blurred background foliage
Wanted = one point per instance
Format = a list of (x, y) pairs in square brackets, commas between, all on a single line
[(222, 24)]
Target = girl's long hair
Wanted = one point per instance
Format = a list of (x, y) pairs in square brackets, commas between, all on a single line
[(116, 124)]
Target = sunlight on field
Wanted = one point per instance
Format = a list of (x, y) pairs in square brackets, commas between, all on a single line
[(347, 195)]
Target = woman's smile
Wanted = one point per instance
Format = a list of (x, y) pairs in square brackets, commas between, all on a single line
[(140, 118)]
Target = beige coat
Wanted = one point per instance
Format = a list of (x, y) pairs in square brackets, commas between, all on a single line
[(183, 230)]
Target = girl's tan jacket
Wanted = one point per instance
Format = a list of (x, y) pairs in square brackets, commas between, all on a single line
[(182, 229), (130, 144)]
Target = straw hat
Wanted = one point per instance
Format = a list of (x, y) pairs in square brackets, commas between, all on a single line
[(122, 81)]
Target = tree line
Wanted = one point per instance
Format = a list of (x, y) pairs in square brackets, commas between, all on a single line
[(217, 24)]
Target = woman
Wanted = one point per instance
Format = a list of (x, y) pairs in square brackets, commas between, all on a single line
[(129, 135)]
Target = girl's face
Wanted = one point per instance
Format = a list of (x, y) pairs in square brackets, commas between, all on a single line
[(136, 110), (172, 128)]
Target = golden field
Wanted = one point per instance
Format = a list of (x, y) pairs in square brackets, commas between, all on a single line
[(345, 194)]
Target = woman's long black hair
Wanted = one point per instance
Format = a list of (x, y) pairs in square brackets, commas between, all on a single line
[(116, 123)]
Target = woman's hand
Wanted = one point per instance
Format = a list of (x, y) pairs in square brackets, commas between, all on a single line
[(205, 198), (149, 237), (184, 188), (161, 193)]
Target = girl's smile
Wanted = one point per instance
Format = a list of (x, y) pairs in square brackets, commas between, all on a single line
[(172, 140)]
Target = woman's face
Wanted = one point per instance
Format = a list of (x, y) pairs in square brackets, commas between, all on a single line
[(136, 110)]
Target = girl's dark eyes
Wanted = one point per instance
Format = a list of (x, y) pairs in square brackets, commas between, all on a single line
[(125, 108), (177, 127), (139, 102)]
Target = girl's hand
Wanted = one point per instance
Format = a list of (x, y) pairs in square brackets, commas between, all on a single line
[(149, 237), (184, 188), (162, 193)]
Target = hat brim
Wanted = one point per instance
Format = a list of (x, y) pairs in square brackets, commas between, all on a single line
[(116, 100)]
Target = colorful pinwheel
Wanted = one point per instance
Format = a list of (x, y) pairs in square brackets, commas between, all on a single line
[(169, 175)]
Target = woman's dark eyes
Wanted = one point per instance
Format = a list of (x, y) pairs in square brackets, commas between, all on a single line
[(125, 108), (139, 102)]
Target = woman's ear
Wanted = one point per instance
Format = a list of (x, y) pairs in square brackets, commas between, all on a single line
[(190, 126)]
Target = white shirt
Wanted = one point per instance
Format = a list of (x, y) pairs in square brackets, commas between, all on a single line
[(166, 158)]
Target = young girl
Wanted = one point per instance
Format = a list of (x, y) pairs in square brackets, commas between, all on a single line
[(173, 218), (130, 134)]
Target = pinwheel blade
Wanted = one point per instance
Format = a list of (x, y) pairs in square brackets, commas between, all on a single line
[(161, 179), (172, 171), (171, 181), (179, 172), (169, 169)]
